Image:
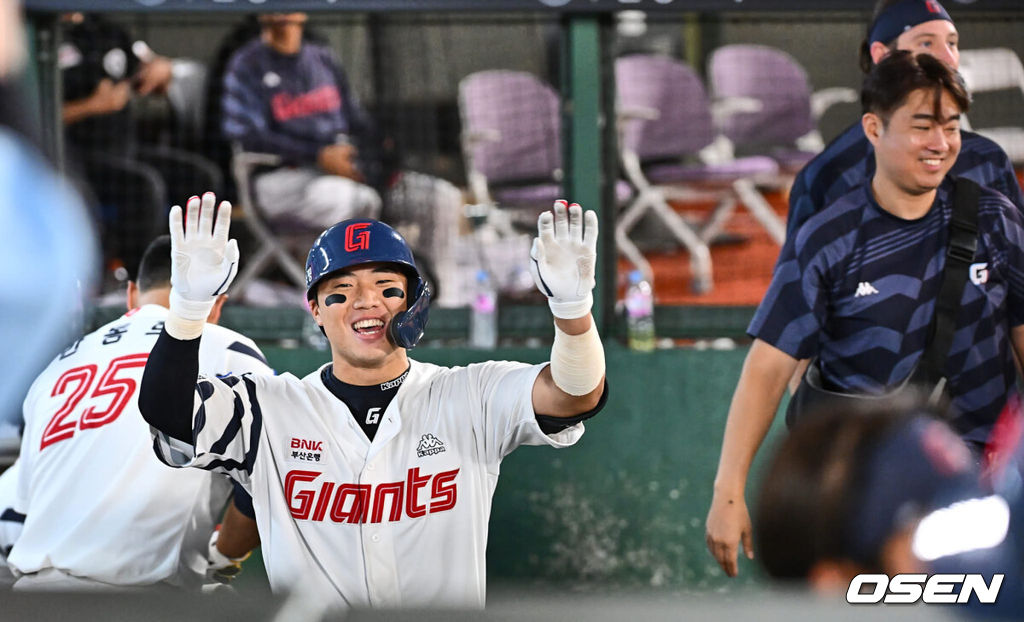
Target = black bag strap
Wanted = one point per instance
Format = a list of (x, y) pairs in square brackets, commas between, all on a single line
[(963, 241)]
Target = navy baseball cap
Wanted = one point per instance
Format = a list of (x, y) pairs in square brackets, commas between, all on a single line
[(902, 16), (918, 467)]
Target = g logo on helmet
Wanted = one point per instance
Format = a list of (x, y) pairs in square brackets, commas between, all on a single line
[(356, 240)]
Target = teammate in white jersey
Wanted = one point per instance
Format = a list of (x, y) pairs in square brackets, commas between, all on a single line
[(99, 509), (372, 477), (10, 522)]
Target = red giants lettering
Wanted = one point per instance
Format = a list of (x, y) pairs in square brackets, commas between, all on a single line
[(287, 106), (362, 503), (301, 443)]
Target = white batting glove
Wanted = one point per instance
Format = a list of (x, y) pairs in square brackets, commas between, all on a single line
[(203, 262), (564, 256), (219, 567)]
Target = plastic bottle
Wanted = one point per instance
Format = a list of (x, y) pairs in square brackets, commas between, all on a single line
[(639, 313), (483, 321)]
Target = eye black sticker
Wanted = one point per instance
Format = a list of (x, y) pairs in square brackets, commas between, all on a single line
[(334, 299), (394, 292)]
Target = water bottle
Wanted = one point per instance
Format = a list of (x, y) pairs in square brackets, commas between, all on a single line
[(639, 313), (483, 321)]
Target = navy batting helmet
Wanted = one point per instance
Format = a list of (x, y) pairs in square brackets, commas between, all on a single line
[(360, 241)]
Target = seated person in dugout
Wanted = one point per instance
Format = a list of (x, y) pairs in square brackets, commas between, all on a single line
[(290, 97)]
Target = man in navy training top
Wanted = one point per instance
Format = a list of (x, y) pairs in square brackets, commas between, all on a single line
[(857, 285), (922, 27), (287, 96)]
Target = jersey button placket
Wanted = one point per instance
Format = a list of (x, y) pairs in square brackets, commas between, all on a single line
[(378, 548)]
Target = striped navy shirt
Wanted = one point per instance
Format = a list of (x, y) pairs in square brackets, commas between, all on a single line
[(856, 286), (848, 161)]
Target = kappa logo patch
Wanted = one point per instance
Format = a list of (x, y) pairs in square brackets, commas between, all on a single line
[(865, 289), (429, 445), (306, 450)]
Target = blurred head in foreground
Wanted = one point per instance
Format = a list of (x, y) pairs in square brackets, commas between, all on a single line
[(885, 488)]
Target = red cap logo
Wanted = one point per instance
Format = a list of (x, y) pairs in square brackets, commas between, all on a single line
[(356, 240), (933, 6)]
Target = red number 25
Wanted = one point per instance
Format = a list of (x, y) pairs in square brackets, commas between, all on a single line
[(76, 382)]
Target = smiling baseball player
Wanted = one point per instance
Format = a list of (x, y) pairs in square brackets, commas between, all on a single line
[(372, 477)]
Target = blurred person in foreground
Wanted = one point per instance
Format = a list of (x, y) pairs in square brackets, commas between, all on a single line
[(884, 488), (48, 240), (857, 287)]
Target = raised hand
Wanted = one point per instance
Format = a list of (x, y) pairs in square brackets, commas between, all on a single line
[(203, 259), (564, 257)]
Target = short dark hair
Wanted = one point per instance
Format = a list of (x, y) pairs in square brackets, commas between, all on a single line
[(155, 266), (866, 63), (811, 487), (899, 74)]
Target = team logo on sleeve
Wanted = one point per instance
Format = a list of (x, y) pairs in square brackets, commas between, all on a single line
[(978, 273), (306, 450), (429, 445)]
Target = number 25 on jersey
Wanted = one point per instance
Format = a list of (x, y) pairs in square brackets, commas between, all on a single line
[(76, 382)]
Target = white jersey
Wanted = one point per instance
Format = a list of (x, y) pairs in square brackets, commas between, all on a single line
[(10, 521), (397, 522), (97, 503)]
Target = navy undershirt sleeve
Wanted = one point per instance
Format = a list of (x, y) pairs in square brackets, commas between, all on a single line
[(168, 386), (553, 425), (242, 500)]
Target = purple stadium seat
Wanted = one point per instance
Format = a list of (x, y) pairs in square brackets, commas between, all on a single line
[(512, 143), (665, 127), (784, 118)]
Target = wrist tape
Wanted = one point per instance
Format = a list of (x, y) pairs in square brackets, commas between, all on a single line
[(187, 317), (573, 309), (577, 361)]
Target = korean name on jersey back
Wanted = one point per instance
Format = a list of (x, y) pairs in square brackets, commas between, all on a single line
[(310, 498)]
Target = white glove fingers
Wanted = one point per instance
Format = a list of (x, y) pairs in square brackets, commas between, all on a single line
[(546, 228), (222, 225), (590, 230), (206, 213), (575, 223), (191, 218), (231, 252), (537, 250), (561, 220), (175, 226), (231, 259)]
